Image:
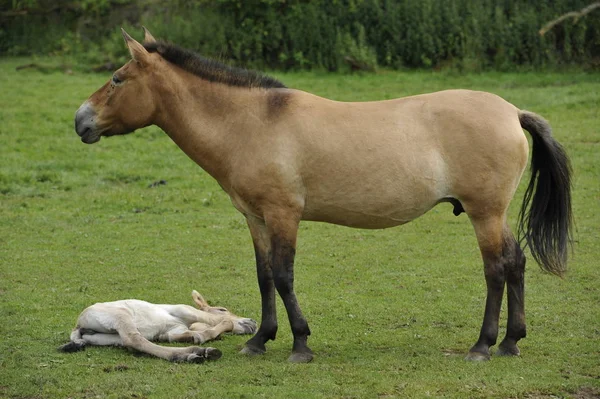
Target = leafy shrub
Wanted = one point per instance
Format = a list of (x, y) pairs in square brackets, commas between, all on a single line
[(326, 34)]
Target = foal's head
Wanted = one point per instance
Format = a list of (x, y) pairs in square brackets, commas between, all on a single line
[(241, 325), (126, 102)]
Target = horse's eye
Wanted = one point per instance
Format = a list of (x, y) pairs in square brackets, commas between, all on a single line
[(116, 79)]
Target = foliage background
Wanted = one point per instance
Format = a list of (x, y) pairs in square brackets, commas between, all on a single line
[(317, 34)]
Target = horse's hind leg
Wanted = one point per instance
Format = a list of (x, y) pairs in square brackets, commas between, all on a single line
[(515, 292), (490, 233)]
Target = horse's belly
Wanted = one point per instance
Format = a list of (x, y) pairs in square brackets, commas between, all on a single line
[(356, 219), (368, 211)]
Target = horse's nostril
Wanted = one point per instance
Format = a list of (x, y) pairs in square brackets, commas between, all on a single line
[(88, 136), (84, 119), (81, 127), (86, 131)]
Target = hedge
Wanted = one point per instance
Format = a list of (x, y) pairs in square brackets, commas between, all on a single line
[(323, 34)]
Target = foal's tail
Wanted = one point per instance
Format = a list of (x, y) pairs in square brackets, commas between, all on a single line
[(545, 219), (75, 344)]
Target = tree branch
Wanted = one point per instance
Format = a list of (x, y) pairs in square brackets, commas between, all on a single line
[(573, 14)]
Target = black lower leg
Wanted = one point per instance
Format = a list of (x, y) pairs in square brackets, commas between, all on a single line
[(283, 274), (268, 326), (515, 292), (495, 279)]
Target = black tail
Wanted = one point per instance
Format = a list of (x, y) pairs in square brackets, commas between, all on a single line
[(545, 219)]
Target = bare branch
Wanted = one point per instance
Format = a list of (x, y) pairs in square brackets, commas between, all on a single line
[(573, 14)]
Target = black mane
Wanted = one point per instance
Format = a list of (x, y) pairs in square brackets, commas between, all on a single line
[(211, 70)]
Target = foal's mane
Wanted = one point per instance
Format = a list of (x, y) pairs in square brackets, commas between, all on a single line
[(211, 70)]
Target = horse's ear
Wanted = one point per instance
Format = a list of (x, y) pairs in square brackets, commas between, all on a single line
[(137, 51), (148, 38)]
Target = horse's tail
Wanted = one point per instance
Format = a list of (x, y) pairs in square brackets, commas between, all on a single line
[(545, 219)]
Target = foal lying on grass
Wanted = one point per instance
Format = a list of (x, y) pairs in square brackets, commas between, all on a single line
[(133, 324)]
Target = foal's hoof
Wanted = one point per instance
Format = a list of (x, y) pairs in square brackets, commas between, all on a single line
[(252, 351), (212, 354), (244, 326), (198, 355), (208, 354), (193, 358), (300, 357), (477, 357)]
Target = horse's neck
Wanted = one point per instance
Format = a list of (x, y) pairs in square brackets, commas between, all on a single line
[(203, 120)]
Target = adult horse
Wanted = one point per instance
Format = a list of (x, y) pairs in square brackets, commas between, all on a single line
[(285, 155)]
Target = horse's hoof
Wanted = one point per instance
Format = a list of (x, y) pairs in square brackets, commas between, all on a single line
[(508, 351), (252, 351), (300, 357), (477, 357)]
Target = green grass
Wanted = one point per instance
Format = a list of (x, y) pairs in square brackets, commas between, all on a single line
[(392, 312)]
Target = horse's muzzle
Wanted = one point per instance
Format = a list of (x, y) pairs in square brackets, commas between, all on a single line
[(85, 124)]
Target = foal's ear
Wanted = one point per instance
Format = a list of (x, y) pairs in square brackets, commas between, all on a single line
[(199, 300), (137, 51), (148, 38)]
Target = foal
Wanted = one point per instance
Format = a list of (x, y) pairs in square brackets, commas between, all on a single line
[(133, 324), (284, 155)]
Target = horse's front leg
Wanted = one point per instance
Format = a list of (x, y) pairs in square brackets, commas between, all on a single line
[(283, 230), (268, 326)]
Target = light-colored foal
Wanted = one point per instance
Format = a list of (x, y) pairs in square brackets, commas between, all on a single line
[(133, 323)]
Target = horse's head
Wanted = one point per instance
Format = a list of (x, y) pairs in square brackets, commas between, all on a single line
[(125, 103)]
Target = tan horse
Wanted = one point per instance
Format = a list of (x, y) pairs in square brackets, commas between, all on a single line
[(133, 323), (284, 155)]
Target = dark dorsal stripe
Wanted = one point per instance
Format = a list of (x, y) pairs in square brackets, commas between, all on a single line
[(211, 70)]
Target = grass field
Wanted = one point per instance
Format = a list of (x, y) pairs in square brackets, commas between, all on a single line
[(392, 312)]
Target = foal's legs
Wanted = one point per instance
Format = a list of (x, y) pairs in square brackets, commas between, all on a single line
[(268, 326), (102, 339), (132, 338), (200, 333)]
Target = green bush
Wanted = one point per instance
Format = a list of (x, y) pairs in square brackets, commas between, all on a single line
[(324, 34)]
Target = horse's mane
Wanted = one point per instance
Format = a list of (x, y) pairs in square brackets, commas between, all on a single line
[(211, 70)]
